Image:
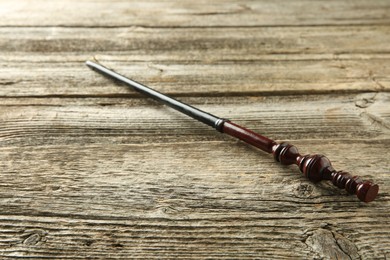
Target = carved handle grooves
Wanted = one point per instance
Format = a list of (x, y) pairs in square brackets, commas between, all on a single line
[(365, 190), (318, 167)]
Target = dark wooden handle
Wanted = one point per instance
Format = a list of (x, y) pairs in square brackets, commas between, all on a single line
[(318, 167), (315, 167)]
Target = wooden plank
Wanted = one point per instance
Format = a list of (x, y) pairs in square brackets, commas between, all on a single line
[(188, 13), (187, 44), (90, 169), (364, 116), (245, 78), (131, 178), (195, 61)]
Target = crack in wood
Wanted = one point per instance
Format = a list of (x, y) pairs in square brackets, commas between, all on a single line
[(6, 83), (328, 244), (242, 8), (376, 121), (340, 247)]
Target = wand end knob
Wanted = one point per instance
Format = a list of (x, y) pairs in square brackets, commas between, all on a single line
[(368, 191), (365, 190)]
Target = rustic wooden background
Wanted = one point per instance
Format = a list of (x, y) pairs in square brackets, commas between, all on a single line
[(91, 169)]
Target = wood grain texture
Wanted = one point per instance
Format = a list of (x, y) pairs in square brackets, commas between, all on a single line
[(91, 169), (272, 60), (187, 13)]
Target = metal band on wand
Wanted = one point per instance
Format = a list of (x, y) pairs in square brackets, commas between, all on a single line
[(315, 167)]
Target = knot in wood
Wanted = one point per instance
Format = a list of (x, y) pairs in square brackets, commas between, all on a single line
[(34, 237), (303, 190)]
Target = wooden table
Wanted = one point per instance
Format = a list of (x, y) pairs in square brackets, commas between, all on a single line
[(92, 169)]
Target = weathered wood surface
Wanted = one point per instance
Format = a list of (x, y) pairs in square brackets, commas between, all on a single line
[(203, 13), (91, 169)]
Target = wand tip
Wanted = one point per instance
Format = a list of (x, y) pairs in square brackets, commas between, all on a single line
[(90, 63), (94, 65)]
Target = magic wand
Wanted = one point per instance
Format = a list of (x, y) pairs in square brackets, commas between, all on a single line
[(315, 167)]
